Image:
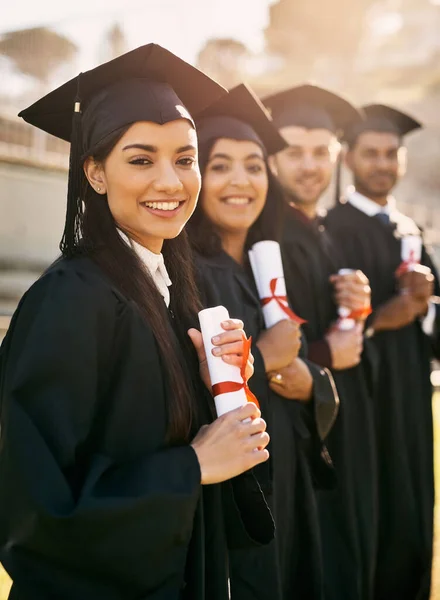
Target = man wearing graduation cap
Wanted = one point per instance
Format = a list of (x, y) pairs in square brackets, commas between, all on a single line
[(375, 237), (310, 119)]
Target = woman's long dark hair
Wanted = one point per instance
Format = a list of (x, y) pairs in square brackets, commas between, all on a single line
[(203, 236), (102, 242)]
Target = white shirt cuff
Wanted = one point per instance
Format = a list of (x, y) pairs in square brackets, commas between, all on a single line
[(428, 322)]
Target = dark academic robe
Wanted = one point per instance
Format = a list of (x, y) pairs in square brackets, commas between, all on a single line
[(94, 503), (348, 514), (291, 567), (403, 408)]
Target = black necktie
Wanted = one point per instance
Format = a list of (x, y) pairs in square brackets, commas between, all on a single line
[(383, 217)]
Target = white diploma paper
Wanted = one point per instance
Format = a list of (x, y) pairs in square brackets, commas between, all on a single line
[(345, 323), (266, 263), (411, 250), (210, 324)]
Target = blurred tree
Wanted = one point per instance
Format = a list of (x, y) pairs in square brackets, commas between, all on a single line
[(116, 42), (37, 52), (224, 59), (304, 32)]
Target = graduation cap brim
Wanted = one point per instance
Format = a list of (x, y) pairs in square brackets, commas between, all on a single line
[(286, 107), (403, 122), (241, 104), (53, 112)]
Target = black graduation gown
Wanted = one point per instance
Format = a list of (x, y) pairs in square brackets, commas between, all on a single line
[(93, 502), (348, 514), (291, 567), (403, 409)]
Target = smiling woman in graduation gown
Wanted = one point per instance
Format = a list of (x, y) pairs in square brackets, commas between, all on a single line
[(238, 125), (101, 493)]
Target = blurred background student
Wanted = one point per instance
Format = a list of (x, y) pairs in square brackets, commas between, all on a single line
[(373, 236), (310, 119)]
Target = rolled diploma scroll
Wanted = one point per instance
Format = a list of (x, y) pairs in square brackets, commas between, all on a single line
[(210, 324), (411, 251), (345, 323), (266, 264)]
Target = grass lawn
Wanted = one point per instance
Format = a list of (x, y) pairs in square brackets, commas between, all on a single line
[(5, 584)]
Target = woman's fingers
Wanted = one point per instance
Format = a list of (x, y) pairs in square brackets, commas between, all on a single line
[(236, 361), (235, 335), (232, 348), (249, 371), (259, 440), (231, 324), (254, 433), (247, 411), (260, 456), (197, 340), (254, 426)]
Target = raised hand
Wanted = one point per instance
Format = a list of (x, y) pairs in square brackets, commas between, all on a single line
[(352, 291), (345, 347), (280, 344), (232, 444), (294, 382), (398, 312), (228, 346), (419, 283)]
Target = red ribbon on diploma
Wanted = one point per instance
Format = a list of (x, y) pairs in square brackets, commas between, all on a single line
[(225, 387), (355, 315), (360, 313), (282, 302), (404, 266)]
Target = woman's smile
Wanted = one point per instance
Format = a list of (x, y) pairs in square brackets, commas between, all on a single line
[(166, 209), (237, 201)]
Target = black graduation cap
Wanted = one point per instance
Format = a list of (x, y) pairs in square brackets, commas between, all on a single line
[(146, 84), (379, 117), (240, 115), (312, 107)]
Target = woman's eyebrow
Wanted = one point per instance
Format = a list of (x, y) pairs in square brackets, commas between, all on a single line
[(254, 155), (153, 149), (220, 155), (145, 147), (185, 148)]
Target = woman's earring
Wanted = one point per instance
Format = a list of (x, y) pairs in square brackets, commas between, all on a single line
[(98, 189)]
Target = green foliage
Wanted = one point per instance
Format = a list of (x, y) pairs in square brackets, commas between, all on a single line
[(38, 51)]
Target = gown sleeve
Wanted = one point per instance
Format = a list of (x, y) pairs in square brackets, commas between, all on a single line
[(320, 416), (319, 352), (325, 400), (64, 500)]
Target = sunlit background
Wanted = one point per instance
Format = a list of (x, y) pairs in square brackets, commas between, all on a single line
[(368, 50)]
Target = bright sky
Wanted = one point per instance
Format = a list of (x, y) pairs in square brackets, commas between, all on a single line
[(180, 25)]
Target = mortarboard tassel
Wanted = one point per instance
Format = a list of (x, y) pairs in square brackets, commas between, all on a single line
[(72, 229)]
